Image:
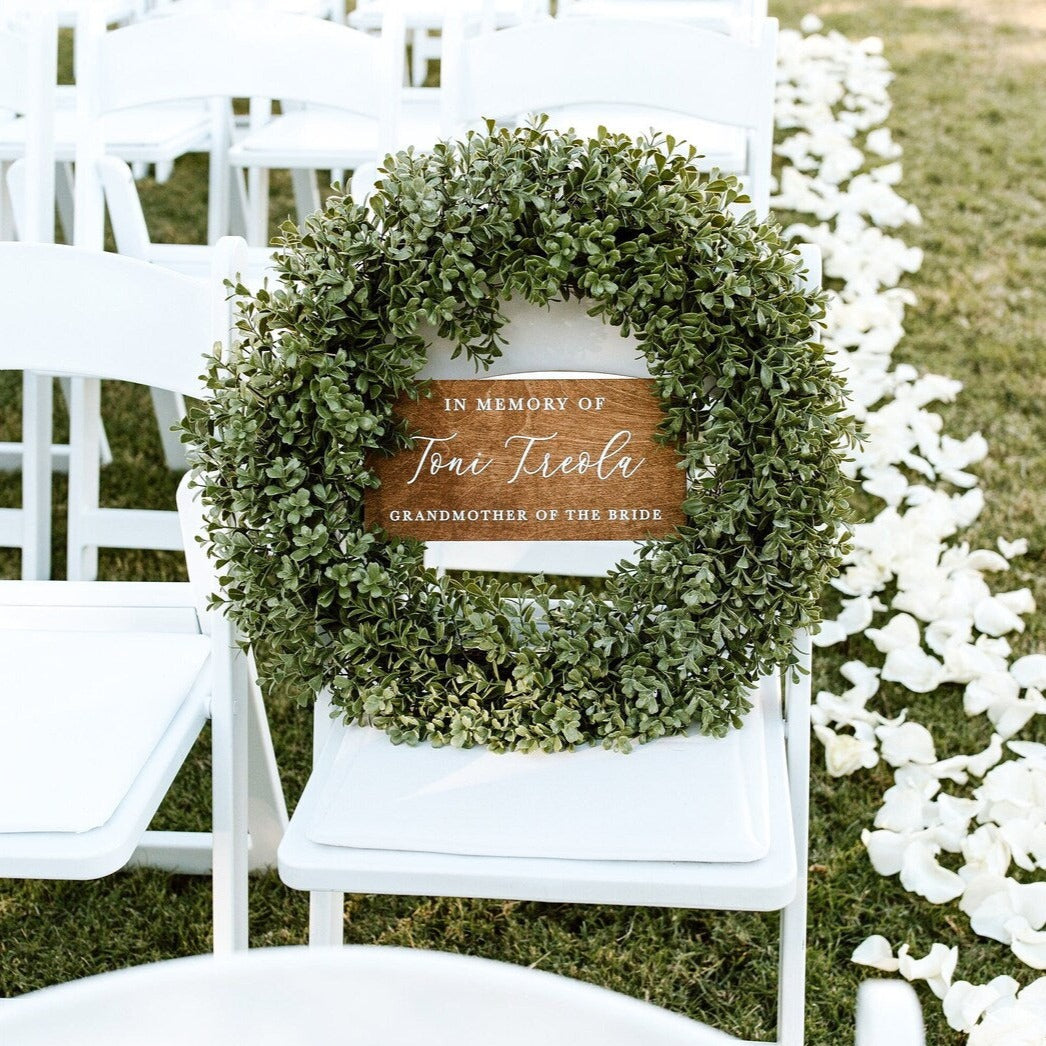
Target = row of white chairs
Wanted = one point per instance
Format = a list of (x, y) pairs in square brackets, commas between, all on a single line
[(708, 88), (105, 686)]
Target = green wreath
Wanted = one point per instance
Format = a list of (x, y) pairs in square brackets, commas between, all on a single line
[(674, 637)]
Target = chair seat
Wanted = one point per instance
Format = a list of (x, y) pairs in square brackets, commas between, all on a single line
[(80, 715), (657, 826), (331, 138), (149, 133), (718, 145)]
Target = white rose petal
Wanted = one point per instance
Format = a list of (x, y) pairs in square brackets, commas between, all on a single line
[(985, 559), (914, 668), (865, 678), (1012, 1026), (995, 618), (1012, 549), (846, 753), (1020, 601), (983, 761), (886, 850), (901, 632), (948, 632), (965, 1003), (1030, 671), (987, 857), (997, 909), (907, 743), (936, 967), (1030, 947), (921, 874), (875, 951)]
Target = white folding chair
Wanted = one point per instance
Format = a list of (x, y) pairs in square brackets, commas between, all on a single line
[(146, 135), (367, 994), (733, 17), (341, 107), (360, 995), (696, 823), (105, 687), (714, 92), (888, 1014), (131, 234), (217, 56), (28, 59)]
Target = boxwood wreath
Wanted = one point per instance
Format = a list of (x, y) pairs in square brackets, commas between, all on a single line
[(672, 638)]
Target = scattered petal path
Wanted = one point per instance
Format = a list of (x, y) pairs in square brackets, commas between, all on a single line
[(911, 585)]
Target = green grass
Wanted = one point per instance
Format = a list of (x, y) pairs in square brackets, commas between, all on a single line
[(967, 109)]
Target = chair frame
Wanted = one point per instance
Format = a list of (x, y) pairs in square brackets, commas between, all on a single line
[(491, 76), (27, 75), (248, 810), (777, 883)]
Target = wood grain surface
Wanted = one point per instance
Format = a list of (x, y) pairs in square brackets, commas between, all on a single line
[(532, 459)]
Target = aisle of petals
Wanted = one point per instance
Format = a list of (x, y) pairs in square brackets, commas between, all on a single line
[(936, 618)]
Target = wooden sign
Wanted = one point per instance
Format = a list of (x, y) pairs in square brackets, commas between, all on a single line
[(531, 460)]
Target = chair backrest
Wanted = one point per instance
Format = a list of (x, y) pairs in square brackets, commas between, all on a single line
[(90, 314), (663, 68), (539, 343), (223, 53), (28, 72), (734, 17), (358, 994), (220, 55)]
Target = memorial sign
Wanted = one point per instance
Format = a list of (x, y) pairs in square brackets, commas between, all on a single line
[(526, 459)]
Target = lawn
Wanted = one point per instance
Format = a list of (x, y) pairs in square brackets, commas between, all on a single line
[(968, 113)]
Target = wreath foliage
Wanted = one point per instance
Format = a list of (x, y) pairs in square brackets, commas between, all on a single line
[(673, 637)]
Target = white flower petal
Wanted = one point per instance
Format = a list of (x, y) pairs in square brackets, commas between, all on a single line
[(1020, 600), (995, 618), (907, 743), (875, 951), (846, 753), (936, 967), (900, 632), (921, 874), (1030, 671), (1012, 549), (965, 1003), (886, 850), (913, 668)]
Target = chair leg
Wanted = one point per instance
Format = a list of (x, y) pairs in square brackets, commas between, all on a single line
[(218, 193), (229, 740), (326, 919), (84, 474), (258, 206), (791, 984), (267, 808), (64, 195), (306, 193), (791, 975), (37, 404)]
